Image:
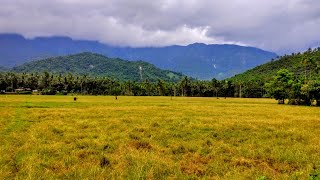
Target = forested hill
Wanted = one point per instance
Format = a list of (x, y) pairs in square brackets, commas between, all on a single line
[(300, 64), (99, 66)]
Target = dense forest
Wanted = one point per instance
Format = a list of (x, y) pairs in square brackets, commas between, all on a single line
[(294, 77)]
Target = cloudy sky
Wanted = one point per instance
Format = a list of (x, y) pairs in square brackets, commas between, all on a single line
[(276, 25)]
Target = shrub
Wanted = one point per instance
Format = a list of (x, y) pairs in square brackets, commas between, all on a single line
[(48, 92)]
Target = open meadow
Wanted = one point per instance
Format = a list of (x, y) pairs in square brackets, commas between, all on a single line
[(98, 137)]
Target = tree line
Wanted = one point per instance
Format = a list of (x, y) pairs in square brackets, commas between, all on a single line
[(300, 90), (50, 84), (299, 83)]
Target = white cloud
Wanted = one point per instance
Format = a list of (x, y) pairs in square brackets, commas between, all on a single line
[(278, 25)]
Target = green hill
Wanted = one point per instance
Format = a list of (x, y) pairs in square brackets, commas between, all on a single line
[(101, 66), (300, 64), (294, 77)]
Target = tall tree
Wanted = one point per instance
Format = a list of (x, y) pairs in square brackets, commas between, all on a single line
[(281, 85), (216, 86)]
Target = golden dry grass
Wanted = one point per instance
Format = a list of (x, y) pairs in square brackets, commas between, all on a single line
[(98, 137)]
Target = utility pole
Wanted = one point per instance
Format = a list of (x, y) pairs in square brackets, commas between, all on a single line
[(140, 71)]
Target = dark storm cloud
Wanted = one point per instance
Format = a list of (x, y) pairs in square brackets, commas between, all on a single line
[(278, 25)]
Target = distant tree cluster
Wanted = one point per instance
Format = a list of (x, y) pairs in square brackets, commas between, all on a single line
[(300, 90)]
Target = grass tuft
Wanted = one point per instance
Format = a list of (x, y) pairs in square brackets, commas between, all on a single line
[(104, 162)]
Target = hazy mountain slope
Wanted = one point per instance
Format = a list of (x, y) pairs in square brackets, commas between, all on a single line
[(197, 60), (99, 65), (3, 69), (202, 61)]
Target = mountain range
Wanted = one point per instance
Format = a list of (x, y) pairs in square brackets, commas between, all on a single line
[(196, 60), (96, 65)]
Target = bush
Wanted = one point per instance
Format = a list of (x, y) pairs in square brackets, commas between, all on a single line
[(24, 92), (9, 89), (63, 92), (48, 92)]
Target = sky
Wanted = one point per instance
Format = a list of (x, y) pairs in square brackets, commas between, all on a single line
[(281, 26)]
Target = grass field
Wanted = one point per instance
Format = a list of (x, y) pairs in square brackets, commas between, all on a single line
[(97, 137)]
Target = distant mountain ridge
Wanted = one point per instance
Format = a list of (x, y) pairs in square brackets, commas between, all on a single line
[(197, 60), (96, 65)]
